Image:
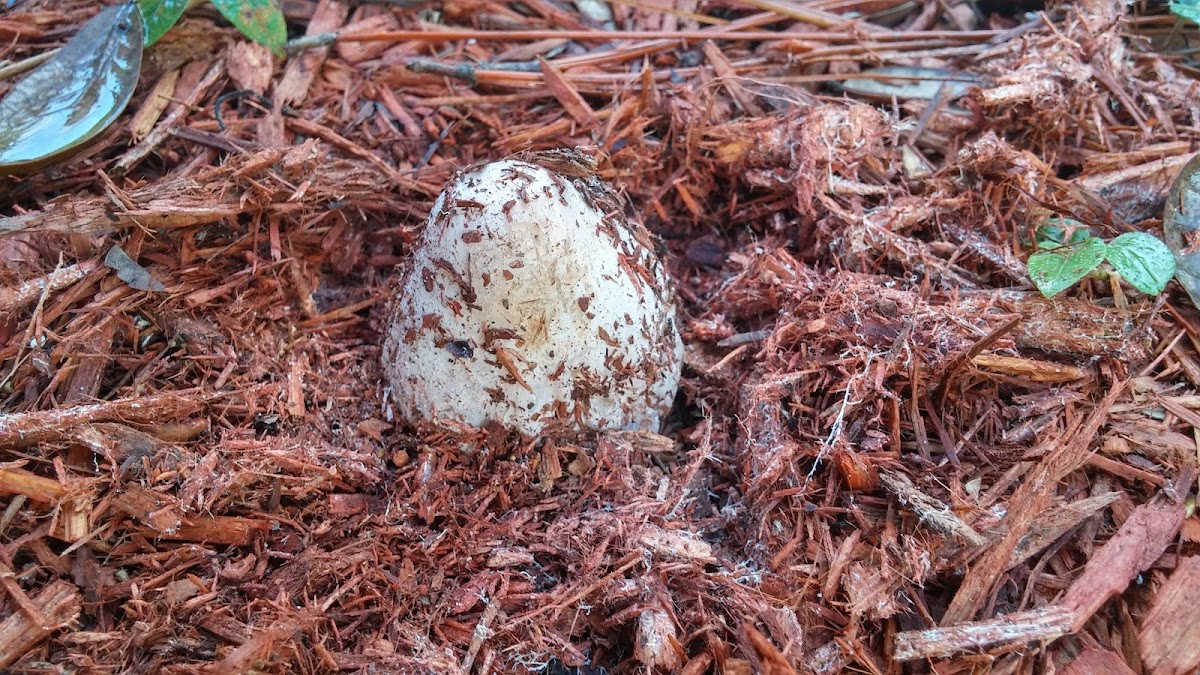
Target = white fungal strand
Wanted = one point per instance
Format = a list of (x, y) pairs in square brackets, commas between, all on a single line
[(533, 302)]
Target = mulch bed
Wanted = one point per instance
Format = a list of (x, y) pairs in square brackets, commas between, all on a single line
[(889, 453)]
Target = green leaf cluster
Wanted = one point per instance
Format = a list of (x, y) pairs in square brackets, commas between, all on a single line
[(1068, 253), (259, 20)]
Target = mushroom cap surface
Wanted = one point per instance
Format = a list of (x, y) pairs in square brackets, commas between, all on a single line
[(532, 301)]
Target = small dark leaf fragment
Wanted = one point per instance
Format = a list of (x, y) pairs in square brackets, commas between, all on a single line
[(130, 272)]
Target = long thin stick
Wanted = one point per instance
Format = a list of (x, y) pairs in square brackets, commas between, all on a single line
[(611, 36)]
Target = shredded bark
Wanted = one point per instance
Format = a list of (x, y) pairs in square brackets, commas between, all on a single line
[(889, 454)]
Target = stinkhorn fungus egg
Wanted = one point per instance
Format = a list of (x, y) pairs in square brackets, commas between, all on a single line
[(534, 302)]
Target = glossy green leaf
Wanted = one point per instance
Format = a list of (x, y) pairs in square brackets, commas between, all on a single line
[(259, 20), (1057, 270), (1144, 261), (74, 96), (1188, 9), (159, 16)]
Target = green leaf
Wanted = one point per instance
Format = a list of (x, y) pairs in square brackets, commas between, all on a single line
[(70, 99), (1058, 231), (1055, 271), (1144, 261), (159, 16), (1188, 9), (259, 20)]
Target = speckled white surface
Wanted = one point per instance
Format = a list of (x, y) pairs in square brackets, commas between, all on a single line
[(530, 302)]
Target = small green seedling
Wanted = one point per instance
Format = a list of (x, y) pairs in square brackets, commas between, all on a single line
[(1067, 252)]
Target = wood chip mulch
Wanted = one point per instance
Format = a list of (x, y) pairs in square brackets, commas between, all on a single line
[(890, 454)]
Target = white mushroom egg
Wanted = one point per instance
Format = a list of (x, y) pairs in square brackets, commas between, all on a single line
[(534, 302)]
